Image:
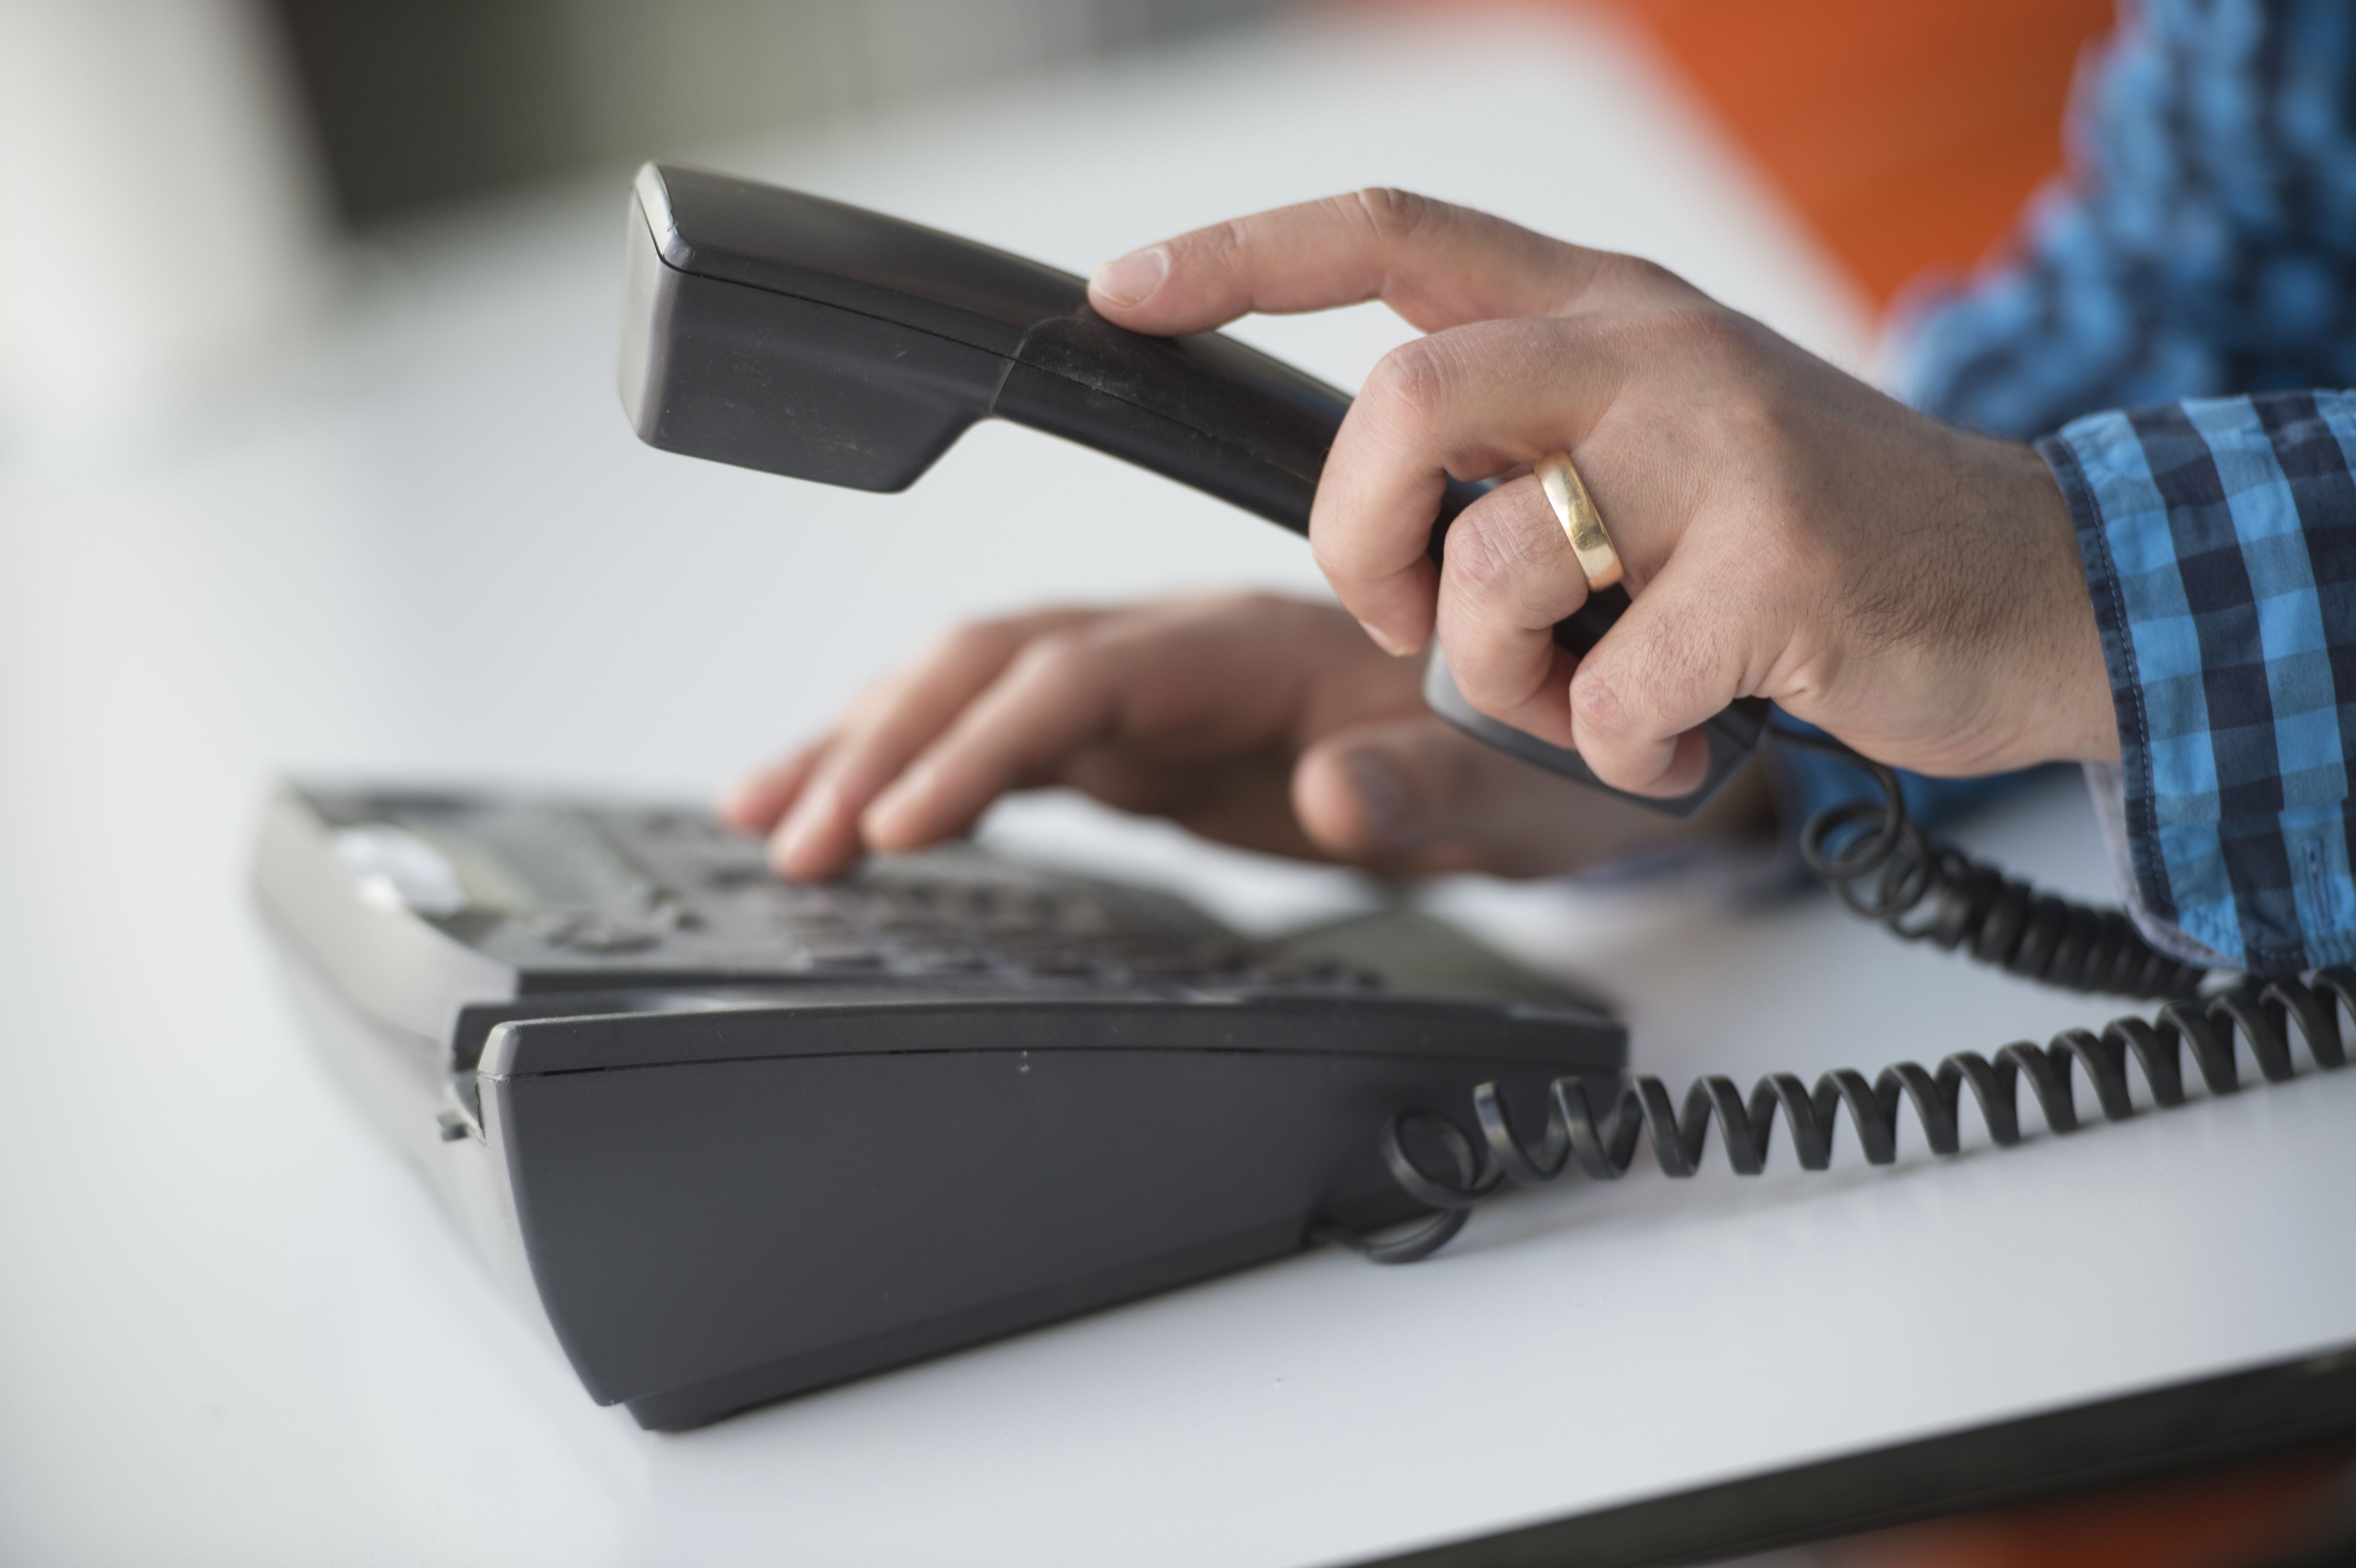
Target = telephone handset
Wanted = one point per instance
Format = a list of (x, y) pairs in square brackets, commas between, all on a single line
[(787, 333)]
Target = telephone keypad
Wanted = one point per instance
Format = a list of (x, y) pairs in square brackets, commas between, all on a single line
[(680, 894)]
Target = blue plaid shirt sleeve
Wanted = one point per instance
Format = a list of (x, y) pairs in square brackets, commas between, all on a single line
[(2202, 247), (2202, 243), (2219, 537)]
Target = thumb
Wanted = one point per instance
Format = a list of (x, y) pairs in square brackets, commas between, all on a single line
[(1416, 794)]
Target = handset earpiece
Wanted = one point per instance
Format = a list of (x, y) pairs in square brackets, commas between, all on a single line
[(787, 333)]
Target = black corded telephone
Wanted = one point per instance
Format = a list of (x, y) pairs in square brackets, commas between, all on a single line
[(732, 1139), (789, 333)]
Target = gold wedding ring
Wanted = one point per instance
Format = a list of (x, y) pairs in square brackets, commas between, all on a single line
[(1580, 521)]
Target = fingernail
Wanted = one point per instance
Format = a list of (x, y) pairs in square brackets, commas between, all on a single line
[(1130, 279), (794, 834), (1383, 640), (1382, 796), (876, 823)]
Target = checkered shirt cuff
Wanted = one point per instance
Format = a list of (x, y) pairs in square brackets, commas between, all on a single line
[(2219, 537)]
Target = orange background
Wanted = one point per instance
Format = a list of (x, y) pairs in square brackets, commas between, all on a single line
[(1908, 133)]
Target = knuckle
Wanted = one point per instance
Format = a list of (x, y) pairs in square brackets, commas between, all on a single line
[(975, 640), (1395, 215), (1059, 657), (1488, 556), (1727, 341), (1598, 709), (1698, 331), (1222, 246), (1508, 550), (1642, 276), (1751, 433), (1409, 385)]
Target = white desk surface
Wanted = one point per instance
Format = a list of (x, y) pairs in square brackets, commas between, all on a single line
[(233, 1328)]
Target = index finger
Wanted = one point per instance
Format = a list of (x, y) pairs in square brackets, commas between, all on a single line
[(888, 728), (1438, 265)]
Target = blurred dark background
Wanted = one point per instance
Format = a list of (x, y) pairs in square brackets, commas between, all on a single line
[(431, 101)]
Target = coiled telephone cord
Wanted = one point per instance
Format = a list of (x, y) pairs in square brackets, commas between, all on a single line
[(1923, 891), (1885, 868)]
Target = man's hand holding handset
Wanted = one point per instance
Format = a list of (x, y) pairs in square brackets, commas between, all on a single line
[(1786, 531)]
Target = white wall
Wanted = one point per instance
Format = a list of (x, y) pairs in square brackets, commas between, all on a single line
[(162, 222)]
